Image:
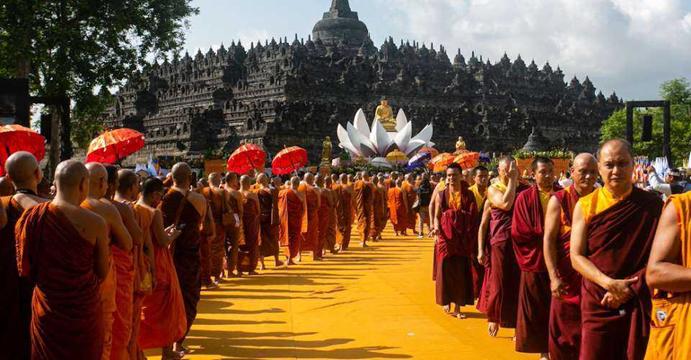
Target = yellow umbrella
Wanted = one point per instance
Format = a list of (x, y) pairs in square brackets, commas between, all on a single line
[(396, 157)]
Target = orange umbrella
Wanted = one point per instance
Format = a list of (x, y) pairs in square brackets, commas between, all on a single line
[(467, 160), (428, 149), (16, 138), (247, 157), (441, 161), (114, 145), (288, 160)]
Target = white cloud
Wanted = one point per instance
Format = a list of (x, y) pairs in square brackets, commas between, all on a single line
[(627, 45)]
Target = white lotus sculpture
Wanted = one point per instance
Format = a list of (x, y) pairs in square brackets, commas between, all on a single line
[(359, 140)]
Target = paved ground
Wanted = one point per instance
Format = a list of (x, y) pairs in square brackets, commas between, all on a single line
[(374, 303)]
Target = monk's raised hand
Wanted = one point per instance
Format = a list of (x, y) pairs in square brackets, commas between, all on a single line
[(513, 170), (173, 232)]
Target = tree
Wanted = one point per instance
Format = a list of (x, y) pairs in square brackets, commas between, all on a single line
[(69, 48), (678, 92)]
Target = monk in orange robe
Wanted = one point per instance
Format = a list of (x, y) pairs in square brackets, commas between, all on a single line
[(268, 203), (120, 257), (310, 231), (611, 238), (384, 193), (378, 209), (669, 274), (163, 319), (398, 208), (234, 234), (565, 282), (124, 270), (251, 227), (216, 197), (329, 234), (185, 210), (527, 231), (142, 253), (291, 211), (409, 192), (364, 206), (24, 174), (344, 212), (64, 250)]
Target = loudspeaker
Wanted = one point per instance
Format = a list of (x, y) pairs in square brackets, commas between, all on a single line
[(647, 133)]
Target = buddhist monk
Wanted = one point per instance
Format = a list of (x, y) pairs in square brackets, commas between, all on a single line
[(64, 249), (612, 234), (398, 208), (505, 276), (124, 266), (6, 186), (565, 282), (23, 173), (344, 212), (527, 231), (328, 211), (291, 211), (385, 208), (408, 189), (391, 181), (310, 231), (480, 177), (483, 257), (234, 233), (378, 206), (163, 319), (127, 194), (268, 203), (121, 247), (251, 228), (185, 209), (364, 206), (217, 199), (669, 275), (456, 227)]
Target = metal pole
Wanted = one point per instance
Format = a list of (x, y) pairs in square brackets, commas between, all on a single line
[(666, 146), (629, 123)]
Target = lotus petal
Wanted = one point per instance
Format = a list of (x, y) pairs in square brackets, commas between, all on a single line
[(381, 162), (401, 120), (403, 136), (360, 142), (345, 141), (413, 146), (360, 123), (380, 138), (426, 134)]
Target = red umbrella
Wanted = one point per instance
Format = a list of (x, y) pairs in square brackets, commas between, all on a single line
[(19, 138), (288, 160), (247, 157), (114, 145), (441, 161)]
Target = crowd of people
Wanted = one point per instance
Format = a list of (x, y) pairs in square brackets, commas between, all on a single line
[(109, 263)]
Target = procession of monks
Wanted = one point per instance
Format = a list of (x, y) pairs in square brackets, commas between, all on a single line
[(114, 264)]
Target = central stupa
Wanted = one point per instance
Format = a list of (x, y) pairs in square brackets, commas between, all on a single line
[(340, 24)]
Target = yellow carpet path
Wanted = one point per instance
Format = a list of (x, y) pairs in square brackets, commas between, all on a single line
[(373, 303)]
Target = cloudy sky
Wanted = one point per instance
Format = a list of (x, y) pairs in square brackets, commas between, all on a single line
[(627, 46)]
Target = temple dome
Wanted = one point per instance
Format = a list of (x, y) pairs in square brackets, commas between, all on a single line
[(340, 24)]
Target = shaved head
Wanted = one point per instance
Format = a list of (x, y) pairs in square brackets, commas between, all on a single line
[(584, 173), (6, 186), (22, 168), (343, 178), (615, 164), (127, 179), (215, 179), (308, 178), (182, 174), (98, 179), (295, 182), (70, 174), (584, 159), (619, 145), (328, 182), (244, 181), (263, 179)]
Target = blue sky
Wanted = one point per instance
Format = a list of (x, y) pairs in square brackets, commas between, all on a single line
[(629, 46)]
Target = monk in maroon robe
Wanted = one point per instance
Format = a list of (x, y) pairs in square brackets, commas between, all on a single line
[(611, 238), (504, 278), (251, 225), (63, 249), (344, 211), (268, 203), (456, 228), (185, 209), (24, 174), (534, 294), (565, 282)]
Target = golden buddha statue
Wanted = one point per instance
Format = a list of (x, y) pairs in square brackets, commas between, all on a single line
[(460, 145), (326, 150), (384, 114)]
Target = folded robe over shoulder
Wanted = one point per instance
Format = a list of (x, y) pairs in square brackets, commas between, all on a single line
[(364, 207), (67, 318), (310, 233), (619, 242), (291, 212), (398, 213)]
